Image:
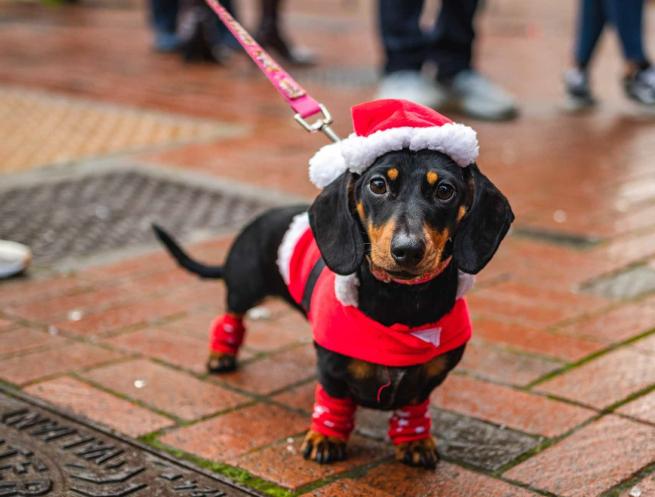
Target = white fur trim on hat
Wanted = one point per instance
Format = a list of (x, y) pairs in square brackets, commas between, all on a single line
[(298, 226), (357, 153)]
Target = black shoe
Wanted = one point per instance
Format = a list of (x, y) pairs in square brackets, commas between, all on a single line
[(273, 40), (578, 92), (640, 86)]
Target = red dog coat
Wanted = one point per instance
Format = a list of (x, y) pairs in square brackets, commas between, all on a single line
[(348, 331)]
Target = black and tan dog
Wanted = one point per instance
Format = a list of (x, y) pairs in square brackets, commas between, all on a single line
[(410, 214)]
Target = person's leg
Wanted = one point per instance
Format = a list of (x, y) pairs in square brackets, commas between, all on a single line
[(453, 36), (627, 16), (467, 90), (403, 40), (405, 46), (590, 24), (270, 34), (163, 16)]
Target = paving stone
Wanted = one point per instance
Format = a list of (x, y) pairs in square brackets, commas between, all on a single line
[(274, 372), (177, 349), (300, 397), (59, 307), (533, 340), (447, 480), (615, 326), (117, 318), (5, 324), (225, 437), (74, 356), (504, 366), (168, 390), (348, 488), (459, 438), (99, 406), (590, 461), (645, 488), (95, 128), (508, 407), (282, 463), (277, 332), (24, 339), (623, 372), (646, 344), (641, 408)]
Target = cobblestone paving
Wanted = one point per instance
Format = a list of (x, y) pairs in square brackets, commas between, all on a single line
[(556, 393)]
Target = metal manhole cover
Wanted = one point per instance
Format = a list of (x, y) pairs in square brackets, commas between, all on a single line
[(44, 452), (95, 214)]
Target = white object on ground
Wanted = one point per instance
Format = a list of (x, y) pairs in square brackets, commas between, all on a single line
[(14, 258)]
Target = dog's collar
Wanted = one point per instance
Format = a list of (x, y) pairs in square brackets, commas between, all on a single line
[(385, 277)]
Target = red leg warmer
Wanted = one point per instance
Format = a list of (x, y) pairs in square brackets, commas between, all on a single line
[(332, 417), (226, 334), (410, 423)]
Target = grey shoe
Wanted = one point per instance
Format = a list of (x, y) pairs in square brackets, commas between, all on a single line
[(578, 91), (14, 258), (410, 85), (640, 87), (474, 95)]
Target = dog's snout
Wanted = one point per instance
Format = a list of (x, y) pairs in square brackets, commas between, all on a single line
[(407, 250)]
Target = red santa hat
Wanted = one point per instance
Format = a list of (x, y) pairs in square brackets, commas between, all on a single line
[(383, 126)]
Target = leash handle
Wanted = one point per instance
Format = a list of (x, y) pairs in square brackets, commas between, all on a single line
[(296, 96)]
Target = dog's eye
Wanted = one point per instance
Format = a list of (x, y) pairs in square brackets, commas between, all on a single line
[(378, 186), (445, 192)]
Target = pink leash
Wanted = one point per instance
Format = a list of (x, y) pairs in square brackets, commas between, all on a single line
[(296, 96)]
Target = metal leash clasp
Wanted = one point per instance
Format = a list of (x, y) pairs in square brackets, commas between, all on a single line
[(322, 124)]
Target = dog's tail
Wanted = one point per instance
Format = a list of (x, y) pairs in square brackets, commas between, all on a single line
[(183, 259)]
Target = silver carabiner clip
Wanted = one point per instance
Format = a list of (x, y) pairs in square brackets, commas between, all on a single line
[(322, 124)]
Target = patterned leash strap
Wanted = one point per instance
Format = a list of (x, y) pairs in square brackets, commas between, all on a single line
[(296, 96)]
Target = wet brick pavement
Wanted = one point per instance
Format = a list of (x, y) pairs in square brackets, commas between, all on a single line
[(556, 392)]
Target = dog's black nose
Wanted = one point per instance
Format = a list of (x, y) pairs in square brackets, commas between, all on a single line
[(407, 250)]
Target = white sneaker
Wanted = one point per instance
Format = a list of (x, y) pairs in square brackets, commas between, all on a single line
[(14, 258), (474, 95), (410, 85)]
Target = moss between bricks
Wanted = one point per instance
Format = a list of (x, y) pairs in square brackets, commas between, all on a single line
[(237, 475)]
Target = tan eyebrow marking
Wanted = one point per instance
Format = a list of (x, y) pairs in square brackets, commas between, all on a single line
[(392, 173), (431, 177), (461, 212)]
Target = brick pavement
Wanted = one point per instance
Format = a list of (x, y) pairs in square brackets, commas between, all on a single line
[(556, 393)]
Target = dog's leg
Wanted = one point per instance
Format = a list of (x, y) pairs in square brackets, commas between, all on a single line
[(332, 423), (225, 337), (409, 430)]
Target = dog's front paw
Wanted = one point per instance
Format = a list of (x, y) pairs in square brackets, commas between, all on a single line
[(422, 453), (221, 363), (322, 449)]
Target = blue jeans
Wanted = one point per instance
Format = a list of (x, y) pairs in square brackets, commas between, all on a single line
[(627, 17), (407, 47)]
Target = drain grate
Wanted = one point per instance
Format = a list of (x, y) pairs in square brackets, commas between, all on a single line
[(50, 453), (93, 214)]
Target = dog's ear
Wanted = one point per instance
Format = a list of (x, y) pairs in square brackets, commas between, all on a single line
[(337, 232), (484, 225)]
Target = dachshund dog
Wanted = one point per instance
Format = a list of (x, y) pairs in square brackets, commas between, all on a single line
[(411, 214)]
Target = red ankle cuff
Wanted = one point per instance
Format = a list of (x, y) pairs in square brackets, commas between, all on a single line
[(226, 334), (332, 417), (410, 423)]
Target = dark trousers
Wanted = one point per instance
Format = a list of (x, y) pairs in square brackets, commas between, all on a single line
[(163, 15), (449, 44), (627, 17)]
